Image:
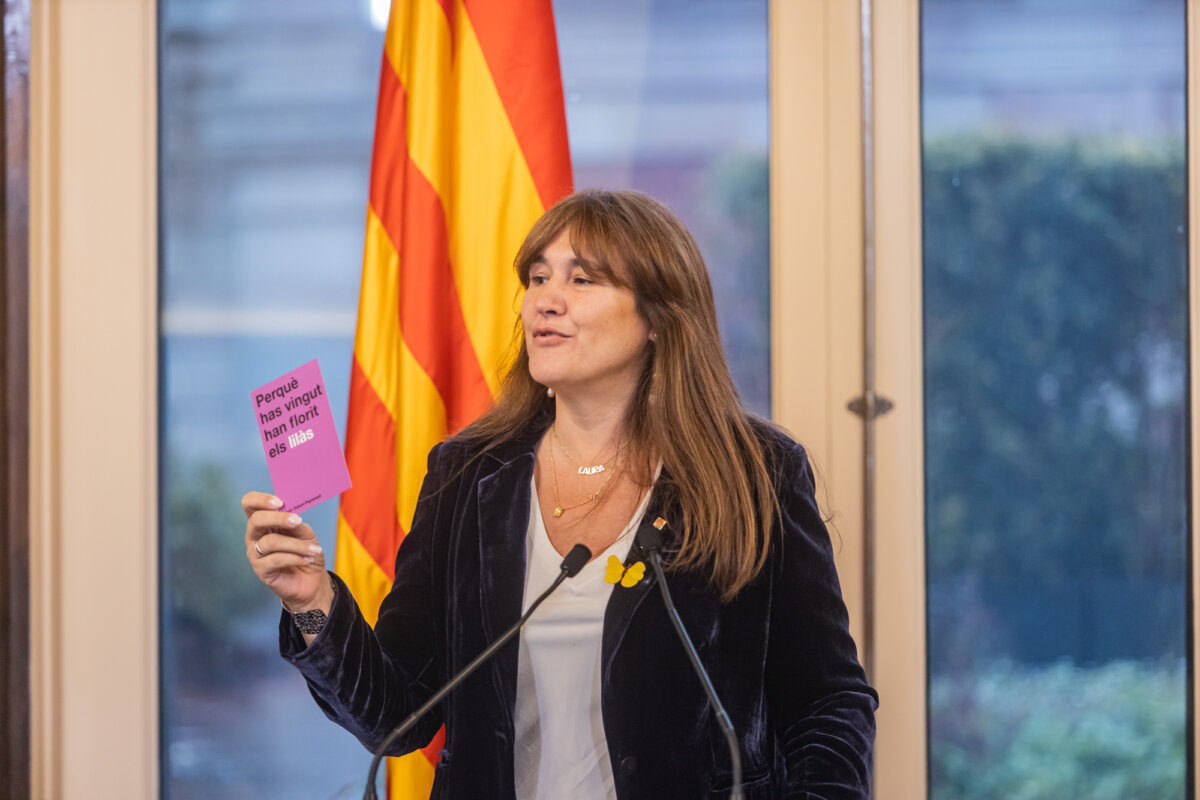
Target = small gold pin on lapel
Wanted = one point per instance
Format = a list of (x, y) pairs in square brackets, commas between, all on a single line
[(660, 523)]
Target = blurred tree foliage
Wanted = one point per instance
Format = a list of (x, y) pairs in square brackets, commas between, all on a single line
[(210, 581), (1115, 732), (736, 239), (210, 590), (1055, 362)]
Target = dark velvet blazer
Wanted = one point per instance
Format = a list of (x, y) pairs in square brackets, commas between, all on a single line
[(780, 654)]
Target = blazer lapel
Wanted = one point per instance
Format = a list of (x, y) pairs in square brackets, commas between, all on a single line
[(502, 508), (624, 603)]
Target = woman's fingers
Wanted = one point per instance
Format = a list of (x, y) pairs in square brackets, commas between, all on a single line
[(284, 552), (271, 543), (260, 501), (291, 563), (277, 561), (270, 568), (277, 532), (267, 520), (260, 523)]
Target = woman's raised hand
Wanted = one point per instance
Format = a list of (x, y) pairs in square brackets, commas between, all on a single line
[(285, 554)]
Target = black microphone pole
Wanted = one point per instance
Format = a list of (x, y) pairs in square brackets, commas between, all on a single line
[(571, 564), (649, 537)]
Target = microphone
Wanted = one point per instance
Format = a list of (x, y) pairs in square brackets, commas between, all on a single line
[(571, 564), (649, 538)]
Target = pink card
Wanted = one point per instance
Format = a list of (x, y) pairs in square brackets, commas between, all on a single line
[(300, 439)]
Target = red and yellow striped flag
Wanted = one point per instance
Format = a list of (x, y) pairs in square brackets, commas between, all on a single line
[(470, 149)]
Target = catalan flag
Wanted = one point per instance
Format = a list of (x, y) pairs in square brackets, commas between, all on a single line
[(470, 149)]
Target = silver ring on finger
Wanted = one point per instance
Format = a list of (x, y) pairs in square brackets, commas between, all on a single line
[(260, 552)]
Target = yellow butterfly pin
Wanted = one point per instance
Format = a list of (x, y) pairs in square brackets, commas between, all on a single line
[(616, 572)]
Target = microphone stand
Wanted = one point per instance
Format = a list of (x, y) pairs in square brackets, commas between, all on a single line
[(649, 537), (572, 563)]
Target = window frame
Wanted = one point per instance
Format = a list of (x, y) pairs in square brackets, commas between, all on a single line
[(901, 762), (818, 224), (901, 751), (93, 399)]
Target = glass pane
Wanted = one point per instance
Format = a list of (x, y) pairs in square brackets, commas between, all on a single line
[(1055, 291), (267, 112), (669, 97)]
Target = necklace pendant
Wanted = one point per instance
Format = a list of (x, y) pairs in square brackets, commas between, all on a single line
[(558, 511), (591, 470)]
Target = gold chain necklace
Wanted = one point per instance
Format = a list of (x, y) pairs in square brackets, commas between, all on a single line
[(582, 470), (559, 508)]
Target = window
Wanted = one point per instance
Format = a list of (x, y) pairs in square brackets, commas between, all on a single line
[(1055, 386)]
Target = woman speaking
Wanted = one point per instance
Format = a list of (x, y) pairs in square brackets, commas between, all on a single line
[(618, 407)]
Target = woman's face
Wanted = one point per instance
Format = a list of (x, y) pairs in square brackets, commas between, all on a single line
[(583, 334)]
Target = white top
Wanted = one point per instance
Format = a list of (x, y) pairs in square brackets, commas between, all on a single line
[(560, 749)]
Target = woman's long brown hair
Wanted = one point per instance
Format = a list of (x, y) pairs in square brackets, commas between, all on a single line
[(685, 408)]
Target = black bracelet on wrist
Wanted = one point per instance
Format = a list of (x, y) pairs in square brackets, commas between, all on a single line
[(313, 620), (310, 621)]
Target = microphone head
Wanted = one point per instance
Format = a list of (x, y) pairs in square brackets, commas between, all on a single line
[(649, 536), (574, 560)]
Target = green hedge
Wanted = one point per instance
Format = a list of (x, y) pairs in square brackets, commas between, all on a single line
[(1056, 363), (1115, 732)]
